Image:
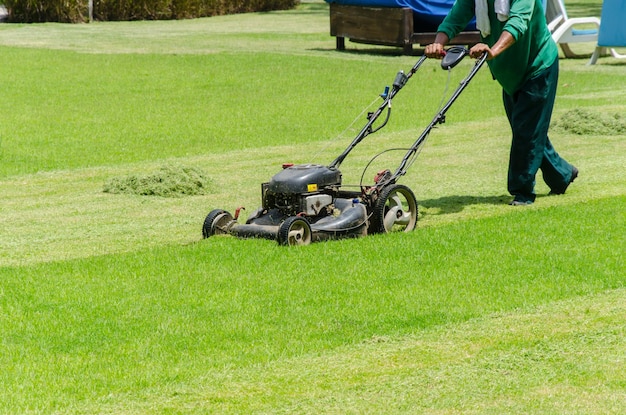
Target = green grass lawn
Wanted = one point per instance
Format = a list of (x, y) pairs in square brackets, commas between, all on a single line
[(112, 303)]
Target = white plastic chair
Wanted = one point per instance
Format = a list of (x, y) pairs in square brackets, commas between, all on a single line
[(567, 30), (612, 30)]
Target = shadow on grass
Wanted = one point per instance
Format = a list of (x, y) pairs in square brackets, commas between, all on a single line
[(614, 62), (374, 51), (454, 204), (303, 8)]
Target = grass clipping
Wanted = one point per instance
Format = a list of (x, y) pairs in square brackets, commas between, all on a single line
[(586, 122), (167, 181)]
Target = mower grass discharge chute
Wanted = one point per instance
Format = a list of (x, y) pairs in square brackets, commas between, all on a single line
[(306, 203)]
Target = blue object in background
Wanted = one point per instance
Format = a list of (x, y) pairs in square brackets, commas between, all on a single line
[(612, 28), (427, 14)]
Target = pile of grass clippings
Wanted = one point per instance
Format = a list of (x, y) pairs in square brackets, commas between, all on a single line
[(167, 181), (581, 121)]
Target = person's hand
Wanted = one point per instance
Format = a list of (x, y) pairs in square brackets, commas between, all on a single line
[(479, 49), (434, 50)]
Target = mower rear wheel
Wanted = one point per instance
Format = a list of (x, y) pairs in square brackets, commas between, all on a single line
[(395, 210), (216, 223), (294, 231)]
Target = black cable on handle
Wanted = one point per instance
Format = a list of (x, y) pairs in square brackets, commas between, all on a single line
[(438, 119), (399, 82)]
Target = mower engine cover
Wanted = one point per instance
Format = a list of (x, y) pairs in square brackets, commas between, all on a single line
[(304, 178), (302, 189)]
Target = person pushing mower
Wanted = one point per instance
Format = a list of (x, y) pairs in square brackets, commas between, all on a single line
[(523, 58)]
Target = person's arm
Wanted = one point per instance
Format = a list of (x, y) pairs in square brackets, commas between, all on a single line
[(505, 41), (516, 26), (460, 14)]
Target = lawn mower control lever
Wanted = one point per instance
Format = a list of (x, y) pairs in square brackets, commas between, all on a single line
[(453, 56), (385, 93)]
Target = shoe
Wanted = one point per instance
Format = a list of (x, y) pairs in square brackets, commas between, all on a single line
[(520, 203), (574, 176)]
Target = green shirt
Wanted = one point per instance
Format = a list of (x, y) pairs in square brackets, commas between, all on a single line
[(533, 50)]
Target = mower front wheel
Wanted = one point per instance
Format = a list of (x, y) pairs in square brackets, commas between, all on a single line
[(395, 210), (294, 231), (216, 223)]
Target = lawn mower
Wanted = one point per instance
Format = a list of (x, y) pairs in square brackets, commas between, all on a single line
[(306, 203)]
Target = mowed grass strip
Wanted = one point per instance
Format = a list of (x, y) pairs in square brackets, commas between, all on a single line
[(460, 175), (565, 357), (85, 111), (119, 327)]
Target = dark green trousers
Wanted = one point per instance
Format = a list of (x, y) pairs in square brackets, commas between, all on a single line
[(529, 111)]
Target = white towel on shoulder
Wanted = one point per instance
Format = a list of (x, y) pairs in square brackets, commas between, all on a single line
[(482, 17), (502, 8)]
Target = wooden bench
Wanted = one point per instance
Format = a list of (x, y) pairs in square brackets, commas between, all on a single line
[(387, 26)]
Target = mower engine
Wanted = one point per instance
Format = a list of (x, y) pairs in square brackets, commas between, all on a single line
[(306, 189)]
